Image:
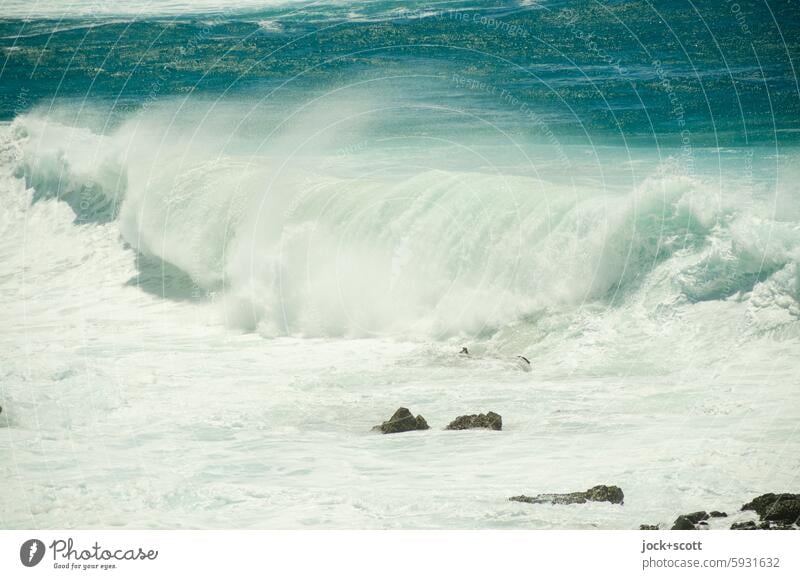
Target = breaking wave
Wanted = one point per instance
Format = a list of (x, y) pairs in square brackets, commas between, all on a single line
[(296, 239)]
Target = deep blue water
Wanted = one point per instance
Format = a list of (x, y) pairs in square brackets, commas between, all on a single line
[(717, 73)]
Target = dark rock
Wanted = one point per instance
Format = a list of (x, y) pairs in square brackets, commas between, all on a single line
[(599, 493), (464, 351), (744, 526), (402, 421), (490, 420), (683, 524), (717, 514), (603, 493), (783, 507), (761, 502), (648, 527), (785, 512)]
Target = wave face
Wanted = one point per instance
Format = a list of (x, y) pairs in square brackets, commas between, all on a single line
[(293, 231)]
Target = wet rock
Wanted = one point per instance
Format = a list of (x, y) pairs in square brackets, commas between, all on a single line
[(603, 493), (744, 526), (599, 493), (781, 508), (717, 514), (402, 421), (683, 524), (648, 527), (491, 420)]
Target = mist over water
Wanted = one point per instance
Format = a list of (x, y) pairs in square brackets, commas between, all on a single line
[(233, 239)]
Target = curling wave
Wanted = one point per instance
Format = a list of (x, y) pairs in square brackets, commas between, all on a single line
[(292, 244)]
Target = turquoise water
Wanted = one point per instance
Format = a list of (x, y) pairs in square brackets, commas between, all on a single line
[(622, 71), (235, 237)]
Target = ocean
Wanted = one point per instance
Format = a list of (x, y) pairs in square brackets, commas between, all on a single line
[(235, 236)]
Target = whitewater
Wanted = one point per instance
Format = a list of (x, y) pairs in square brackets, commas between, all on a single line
[(209, 299)]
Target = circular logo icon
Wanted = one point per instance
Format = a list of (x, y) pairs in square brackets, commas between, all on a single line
[(31, 552)]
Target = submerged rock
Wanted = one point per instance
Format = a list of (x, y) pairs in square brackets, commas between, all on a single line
[(554, 499), (599, 493), (781, 508), (648, 527), (697, 516), (402, 421), (491, 420)]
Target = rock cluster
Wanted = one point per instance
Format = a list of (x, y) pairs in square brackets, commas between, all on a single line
[(599, 493), (775, 511), (403, 421), (491, 420), (696, 520)]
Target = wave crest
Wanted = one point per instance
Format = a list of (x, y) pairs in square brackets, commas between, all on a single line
[(290, 249)]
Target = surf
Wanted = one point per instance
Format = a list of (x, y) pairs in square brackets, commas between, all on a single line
[(293, 234)]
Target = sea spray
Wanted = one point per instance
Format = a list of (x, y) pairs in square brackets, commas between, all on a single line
[(292, 250)]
